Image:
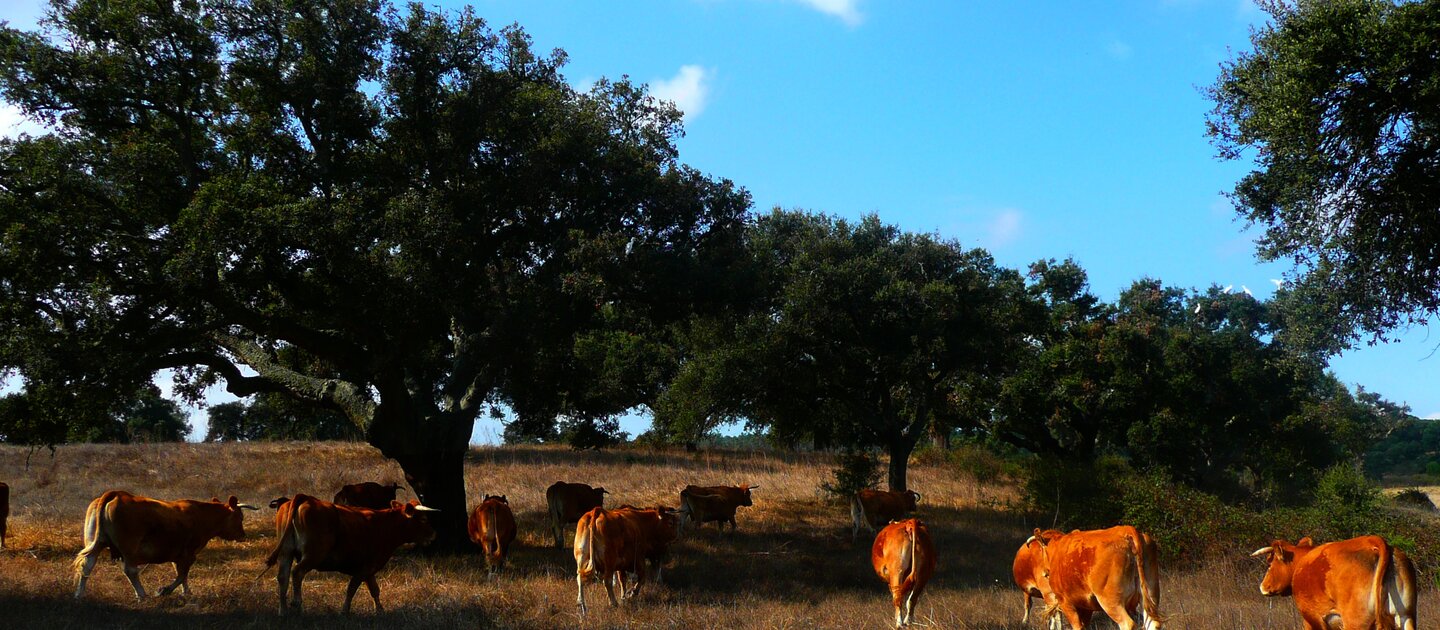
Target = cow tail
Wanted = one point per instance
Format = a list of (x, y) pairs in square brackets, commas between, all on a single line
[(1148, 604), (589, 545), (283, 530), (97, 526), (1383, 620), (908, 584)]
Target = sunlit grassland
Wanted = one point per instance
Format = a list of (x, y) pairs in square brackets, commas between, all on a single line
[(792, 563)]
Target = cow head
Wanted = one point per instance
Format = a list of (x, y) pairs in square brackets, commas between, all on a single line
[(279, 501), (415, 526), (1281, 556), (1038, 548), (233, 525), (497, 497), (912, 498), (746, 500)]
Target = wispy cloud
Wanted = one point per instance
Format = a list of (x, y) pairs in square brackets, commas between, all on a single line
[(847, 10), (1004, 228), (1118, 49), (689, 89)]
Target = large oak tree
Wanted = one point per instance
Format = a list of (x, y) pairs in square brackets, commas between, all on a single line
[(401, 215)]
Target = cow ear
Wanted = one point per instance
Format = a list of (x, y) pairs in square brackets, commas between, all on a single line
[(407, 509), (504, 500), (1305, 542), (233, 502)]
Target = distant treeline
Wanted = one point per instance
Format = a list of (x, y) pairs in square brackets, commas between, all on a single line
[(1412, 449)]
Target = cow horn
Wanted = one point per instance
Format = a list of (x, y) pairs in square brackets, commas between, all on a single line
[(425, 508), (246, 506), (917, 495), (1262, 551), (1029, 540), (751, 487)]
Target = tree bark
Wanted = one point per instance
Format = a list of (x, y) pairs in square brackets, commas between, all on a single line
[(900, 450), (438, 478)]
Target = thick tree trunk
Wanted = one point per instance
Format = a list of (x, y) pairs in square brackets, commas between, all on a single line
[(900, 451), (439, 480)]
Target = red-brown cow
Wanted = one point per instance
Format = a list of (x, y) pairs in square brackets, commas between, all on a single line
[(1112, 570), (702, 504), (143, 531), (873, 509), (1345, 582), (492, 526), (314, 535), (904, 556), (4, 511), (567, 502), (367, 494), (659, 526), (612, 543), (1027, 569)]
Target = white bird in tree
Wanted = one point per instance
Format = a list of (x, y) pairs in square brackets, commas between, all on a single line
[(1246, 290), (1228, 287), (1197, 308), (1278, 283)]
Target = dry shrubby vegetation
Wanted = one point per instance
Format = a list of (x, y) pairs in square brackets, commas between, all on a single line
[(790, 565)]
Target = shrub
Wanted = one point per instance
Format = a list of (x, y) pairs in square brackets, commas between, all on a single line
[(1346, 502), (854, 471), (1075, 495), (1414, 498)]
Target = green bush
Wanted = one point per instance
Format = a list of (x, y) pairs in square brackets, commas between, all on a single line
[(854, 471), (1414, 498), (1347, 502)]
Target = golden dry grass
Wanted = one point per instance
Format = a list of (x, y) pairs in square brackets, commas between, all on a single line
[(791, 564)]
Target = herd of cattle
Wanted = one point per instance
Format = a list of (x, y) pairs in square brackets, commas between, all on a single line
[(1358, 583)]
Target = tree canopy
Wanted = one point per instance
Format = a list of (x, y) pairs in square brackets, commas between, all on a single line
[(400, 215), (1338, 104)]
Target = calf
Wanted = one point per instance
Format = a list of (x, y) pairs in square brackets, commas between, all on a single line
[(702, 504), (872, 509)]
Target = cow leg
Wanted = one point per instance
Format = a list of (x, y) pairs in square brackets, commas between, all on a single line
[(580, 591), (282, 577), (132, 573), (350, 594), (299, 577), (559, 530), (609, 581), (182, 578), (85, 569), (1026, 618), (374, 588)]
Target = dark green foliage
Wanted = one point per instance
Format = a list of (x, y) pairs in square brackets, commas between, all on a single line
[(1413, 448), (860, 336), (1346, 501), (1068, 494), (1338, 105), (855, 470), (400, 215), (276, 417)]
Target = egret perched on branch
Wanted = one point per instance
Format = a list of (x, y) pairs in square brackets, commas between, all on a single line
[(1278, 283), (1228, 287), (1246, 290)]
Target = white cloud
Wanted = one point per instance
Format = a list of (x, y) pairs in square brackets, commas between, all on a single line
[(1004, 228), (689, 90), (1118, 49), (847, 10)]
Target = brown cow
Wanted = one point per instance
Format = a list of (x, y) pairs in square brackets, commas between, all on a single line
[(313, 535), (659, 526), (367, 494), (1027, 569), (1345, 582), (567, 502), (873, 509), (1111, 570), (143, 531), (606, 547), (492, 526), (4, 510), (702, 504), (904, 556)]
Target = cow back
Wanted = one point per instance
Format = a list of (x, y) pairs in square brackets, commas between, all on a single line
[(353, 540)]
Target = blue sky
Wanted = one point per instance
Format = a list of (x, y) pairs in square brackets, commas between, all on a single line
[(1033, 129)]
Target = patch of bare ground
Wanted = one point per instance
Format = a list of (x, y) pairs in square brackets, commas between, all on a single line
[(792, 564)]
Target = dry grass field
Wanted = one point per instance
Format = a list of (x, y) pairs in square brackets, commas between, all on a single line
[(790, 565)]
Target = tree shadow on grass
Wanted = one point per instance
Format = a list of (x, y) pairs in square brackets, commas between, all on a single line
[(63, 612)]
